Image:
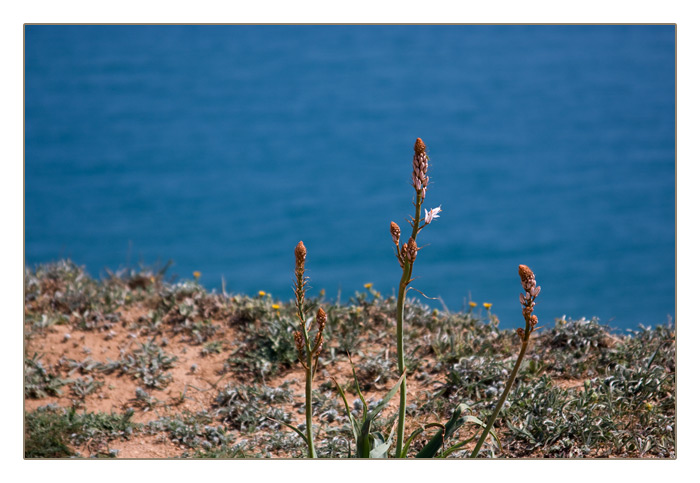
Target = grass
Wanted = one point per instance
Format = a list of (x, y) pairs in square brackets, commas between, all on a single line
[(248, 408), (38, 382), (148, 364), (583, 390), (52, 432)]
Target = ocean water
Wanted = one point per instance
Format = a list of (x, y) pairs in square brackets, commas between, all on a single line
[(220, 147)]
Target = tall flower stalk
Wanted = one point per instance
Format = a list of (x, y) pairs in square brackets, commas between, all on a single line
[(406, 255), (308, 349), (527, 301)]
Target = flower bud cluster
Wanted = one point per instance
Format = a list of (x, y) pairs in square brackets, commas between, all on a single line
[(409, 251), (412, 250), (527, 279), (420, 168), (403, 255), (529, 283), (300, 280), (301, 336), (395, 233), (321, 323), (300, 256)]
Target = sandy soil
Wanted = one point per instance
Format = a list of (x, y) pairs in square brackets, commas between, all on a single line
[(198, 377)]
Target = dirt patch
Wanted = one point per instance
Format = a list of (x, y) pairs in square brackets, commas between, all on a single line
[(146, 446), (71, 354), (196, 378)]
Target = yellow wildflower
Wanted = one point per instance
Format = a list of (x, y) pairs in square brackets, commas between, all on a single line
[(196, 274), (368, 286), (275, 306), (488, 305), (472, 304), (262, 293)]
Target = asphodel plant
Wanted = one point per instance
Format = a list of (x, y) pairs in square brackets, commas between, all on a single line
[(406, 255), (527, 300), (370, 443), (308, 347)]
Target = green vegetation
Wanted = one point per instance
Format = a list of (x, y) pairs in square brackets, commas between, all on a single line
[(53, 432), (582, 391)]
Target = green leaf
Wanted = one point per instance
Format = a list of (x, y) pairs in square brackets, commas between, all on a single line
[(492, 433), (433, 446), (359, 392), (380, 448), (354, 425), (436, 442), (454, 448), (404, 451), (386, 398), (293, 428)]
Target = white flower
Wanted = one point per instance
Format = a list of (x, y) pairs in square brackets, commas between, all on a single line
[(429, 215)]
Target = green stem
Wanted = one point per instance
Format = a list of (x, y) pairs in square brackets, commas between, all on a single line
[(416, 220), (309, 366), (309, 408), (400, 356), (503, 398), (403, 284)]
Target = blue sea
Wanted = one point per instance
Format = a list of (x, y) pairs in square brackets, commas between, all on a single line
[(220, 147)]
